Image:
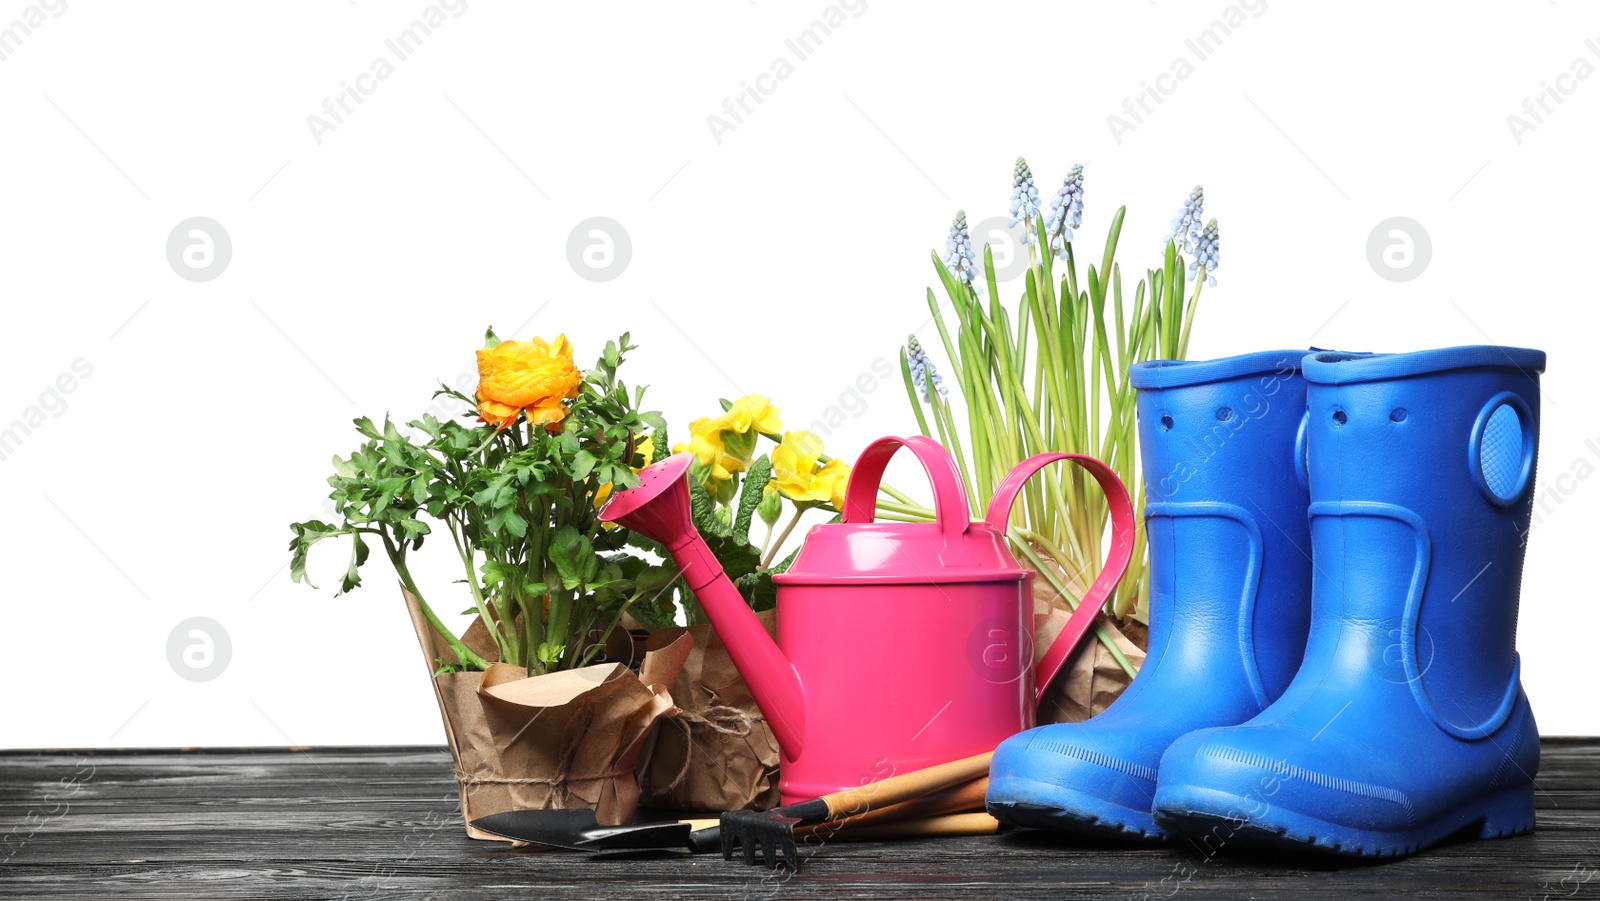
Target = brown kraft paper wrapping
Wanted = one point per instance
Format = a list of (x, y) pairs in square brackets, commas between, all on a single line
[(718, 753), (1091, 679), (565, 739)]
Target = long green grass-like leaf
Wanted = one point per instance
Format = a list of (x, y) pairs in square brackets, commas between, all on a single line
[(911, 394)]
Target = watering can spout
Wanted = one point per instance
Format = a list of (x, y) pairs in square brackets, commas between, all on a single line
[(658, 508)]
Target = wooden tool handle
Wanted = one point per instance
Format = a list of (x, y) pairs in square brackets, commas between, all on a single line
[(896, 789), (964, 798), (950, 824)]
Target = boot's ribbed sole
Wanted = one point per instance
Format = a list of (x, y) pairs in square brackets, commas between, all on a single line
[(1039, 805), (1213, 818)]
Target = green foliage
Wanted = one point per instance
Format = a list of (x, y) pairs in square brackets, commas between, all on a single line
[(1052, 374), (519, 505)]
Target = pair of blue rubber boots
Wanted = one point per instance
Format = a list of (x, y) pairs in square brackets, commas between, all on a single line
[(1336, 547)]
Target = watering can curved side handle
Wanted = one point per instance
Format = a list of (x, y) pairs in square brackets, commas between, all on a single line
[(1122, 534), (949, 497)]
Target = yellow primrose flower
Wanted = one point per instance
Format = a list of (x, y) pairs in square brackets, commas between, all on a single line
[(709, 449), (532, 376), (796, 472), (837, 473), (706, 442), (753, 411)]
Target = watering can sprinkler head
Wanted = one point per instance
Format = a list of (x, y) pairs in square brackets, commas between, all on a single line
[(658, 508)]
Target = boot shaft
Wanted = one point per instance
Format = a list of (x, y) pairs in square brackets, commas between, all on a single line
[(1421, 470), (1226, 511)]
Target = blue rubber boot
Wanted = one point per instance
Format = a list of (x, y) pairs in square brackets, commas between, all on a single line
[(1230, 595), (1407, 722)]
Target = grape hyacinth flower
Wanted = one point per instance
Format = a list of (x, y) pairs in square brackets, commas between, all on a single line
[(1206, 253), (923, 375), (1066, 211), (1024, 200), (959, 256), (1186, 228)]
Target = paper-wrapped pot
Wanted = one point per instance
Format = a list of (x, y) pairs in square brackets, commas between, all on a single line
[(562, 740), (717, 753)]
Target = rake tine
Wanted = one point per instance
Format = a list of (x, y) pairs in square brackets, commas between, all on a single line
[(791, 854), (774, 829), (769, 850)]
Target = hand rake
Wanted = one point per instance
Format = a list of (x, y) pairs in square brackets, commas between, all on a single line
[(772, 832)]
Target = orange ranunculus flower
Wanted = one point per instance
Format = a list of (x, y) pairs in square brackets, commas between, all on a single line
[(531, 376)]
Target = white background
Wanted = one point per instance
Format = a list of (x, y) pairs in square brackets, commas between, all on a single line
[(783, 259)]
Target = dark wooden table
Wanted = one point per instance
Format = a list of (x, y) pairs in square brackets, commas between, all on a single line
[(383, 823)]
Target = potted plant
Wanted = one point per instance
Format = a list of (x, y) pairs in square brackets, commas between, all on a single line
[(1051, 374), (540, 706)]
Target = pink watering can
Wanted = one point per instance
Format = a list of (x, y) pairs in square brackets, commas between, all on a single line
[(900, 645)]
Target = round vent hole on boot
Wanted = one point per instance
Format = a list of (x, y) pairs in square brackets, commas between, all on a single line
[(1224, 414), (1339, 417), (1501, 452), (1166, 422), (1398, 414)]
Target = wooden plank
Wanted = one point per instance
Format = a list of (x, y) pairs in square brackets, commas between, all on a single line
[(382, 822)]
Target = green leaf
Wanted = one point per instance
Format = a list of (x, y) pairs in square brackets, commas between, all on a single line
[(663, 445), (550, 653), (490, 339), (307, 534), (515, 524), (582, 465), (352, 575), (703, 511), (736, 555), (574, 558), (750, 497), (758, 590)]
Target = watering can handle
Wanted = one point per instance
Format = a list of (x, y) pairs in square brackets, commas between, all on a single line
[(949, 497), (1122, 534)]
